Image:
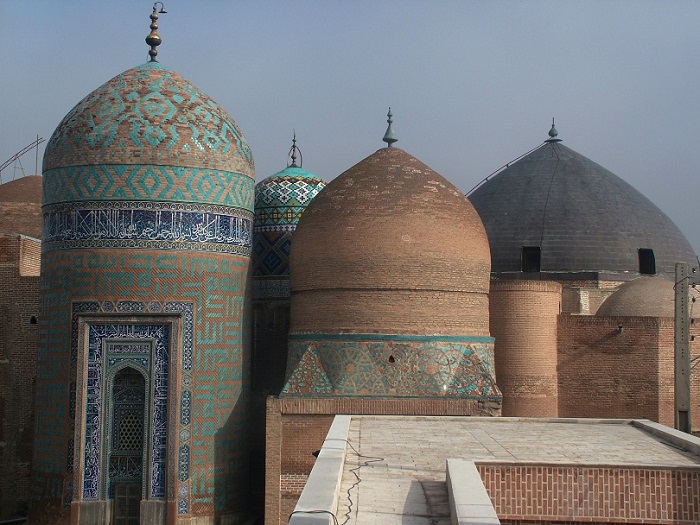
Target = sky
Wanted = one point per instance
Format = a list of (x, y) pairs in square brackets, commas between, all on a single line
[(472, 84)]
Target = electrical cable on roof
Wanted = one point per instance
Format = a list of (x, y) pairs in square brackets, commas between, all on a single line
[(355, 472)]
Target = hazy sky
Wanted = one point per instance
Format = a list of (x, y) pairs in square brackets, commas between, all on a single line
[(472, 84)]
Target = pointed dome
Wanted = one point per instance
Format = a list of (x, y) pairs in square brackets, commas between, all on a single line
[(580, 217), (390, 281), (148, 115), (391, 224), (20, 206)]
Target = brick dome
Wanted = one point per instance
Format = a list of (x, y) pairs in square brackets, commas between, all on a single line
[(390, 246), (20, 206), (643, 297), (555, 211)]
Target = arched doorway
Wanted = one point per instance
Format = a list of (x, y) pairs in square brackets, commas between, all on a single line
[(126, 450)]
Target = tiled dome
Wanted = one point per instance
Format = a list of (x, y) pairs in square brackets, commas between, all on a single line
[(579, 216), (169, 164), (140, 109), (279, 202)]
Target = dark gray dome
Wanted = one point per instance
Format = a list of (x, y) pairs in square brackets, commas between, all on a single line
[(555, 211)]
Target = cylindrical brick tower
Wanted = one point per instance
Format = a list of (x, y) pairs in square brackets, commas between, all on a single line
[(389, 276), (524, 323), (141, 388)]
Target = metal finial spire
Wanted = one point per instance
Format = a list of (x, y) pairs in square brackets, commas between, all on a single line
[(293, 153), (153, 38), (389, 136), (553, 134)]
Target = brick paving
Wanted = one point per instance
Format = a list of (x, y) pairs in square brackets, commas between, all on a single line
[(402, 468)]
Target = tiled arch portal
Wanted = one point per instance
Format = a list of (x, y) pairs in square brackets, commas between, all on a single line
[(108, 337)]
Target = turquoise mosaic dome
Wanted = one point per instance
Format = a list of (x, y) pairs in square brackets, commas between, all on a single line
[(148, 161), (280, 201), (150, 117)]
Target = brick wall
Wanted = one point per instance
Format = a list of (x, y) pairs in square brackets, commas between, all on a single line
[(598, 494), (19, 306), (524, 323), (605, 373), (296, 427)]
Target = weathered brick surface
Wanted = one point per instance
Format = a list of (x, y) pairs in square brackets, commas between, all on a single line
[(524, 323), (593, 494), (20, 206), (605, 373), (390, 246), (19, 307)]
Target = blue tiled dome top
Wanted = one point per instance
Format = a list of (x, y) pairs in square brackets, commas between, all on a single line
[(149, 115), (281, 198)]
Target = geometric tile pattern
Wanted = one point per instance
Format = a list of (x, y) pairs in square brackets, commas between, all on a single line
[(104, 357), (153, 183), (390, 366), (147, 225), (208, 291), (272, 253), (155, 113), (280, 201)]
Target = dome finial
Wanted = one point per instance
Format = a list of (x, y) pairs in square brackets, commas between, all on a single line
[(153, 38), (553, 134), (389, 136), (293, 153)]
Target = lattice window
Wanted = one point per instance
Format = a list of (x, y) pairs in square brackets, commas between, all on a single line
[(131, 432)]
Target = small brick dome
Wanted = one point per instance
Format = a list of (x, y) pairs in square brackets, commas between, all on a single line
[(643, 297), (390, 246), (279, 202), (20, 206)]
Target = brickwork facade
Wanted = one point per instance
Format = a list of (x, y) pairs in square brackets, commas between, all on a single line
[(539, 494), (19, 310), (524, 324), (604, 372)]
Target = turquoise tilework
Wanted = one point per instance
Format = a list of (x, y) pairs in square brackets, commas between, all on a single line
[(180, 184), (152, 114), (386, 365)]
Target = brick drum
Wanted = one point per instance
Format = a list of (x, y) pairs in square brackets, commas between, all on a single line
[(524, 323)]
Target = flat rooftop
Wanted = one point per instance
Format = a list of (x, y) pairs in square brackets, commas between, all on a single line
[(394, 468)]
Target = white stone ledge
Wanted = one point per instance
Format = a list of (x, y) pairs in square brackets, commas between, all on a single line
[(469, 502), (681, 440), (318, 502)]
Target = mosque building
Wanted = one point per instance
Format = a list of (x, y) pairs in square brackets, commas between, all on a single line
[(183, 338)]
